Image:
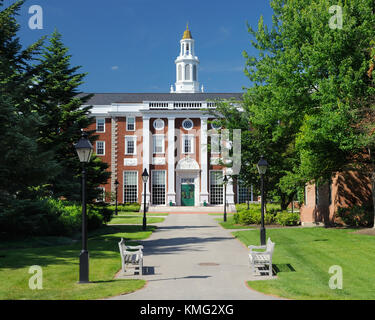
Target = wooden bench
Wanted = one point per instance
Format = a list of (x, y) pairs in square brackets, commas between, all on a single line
[(131, 255), (257, 258)]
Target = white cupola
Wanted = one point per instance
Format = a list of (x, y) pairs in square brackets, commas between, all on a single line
[(186, 66)]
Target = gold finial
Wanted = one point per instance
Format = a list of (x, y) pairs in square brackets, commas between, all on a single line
[(187, 34)]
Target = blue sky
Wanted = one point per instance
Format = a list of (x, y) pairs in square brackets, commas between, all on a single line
[(131, 45)]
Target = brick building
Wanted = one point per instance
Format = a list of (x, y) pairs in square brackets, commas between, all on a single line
[(168, 134)]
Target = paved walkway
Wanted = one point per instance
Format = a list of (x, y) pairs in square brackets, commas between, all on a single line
[(173, 258)]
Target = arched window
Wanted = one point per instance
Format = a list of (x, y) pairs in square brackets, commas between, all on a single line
[(179, 72), (194, 73), (187, 72)]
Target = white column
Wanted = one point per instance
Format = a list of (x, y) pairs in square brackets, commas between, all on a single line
[(171, 195), (204, 164), (146, 156)]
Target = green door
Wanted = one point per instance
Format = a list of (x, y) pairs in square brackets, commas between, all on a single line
[(187, 194)]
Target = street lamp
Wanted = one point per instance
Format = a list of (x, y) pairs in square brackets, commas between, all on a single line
[(144, 178), (116, 185), (84, 150), (262, 168), (225, 197)]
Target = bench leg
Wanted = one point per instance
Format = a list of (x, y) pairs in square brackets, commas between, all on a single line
[(141, 267), (270, 270)]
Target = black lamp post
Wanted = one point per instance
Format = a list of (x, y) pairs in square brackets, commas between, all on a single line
[(225, 197), (84, 150), (262, 168), (144, 178), (116, 185)]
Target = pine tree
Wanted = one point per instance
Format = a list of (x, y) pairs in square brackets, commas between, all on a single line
[(24, 164), (59, 100)]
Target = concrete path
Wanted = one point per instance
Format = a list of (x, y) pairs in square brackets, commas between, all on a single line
[(191, 257)]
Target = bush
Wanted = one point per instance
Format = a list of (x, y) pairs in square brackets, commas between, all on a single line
[(356, 216), (48, 217), (252, 216), (126, 207), (286, 218)]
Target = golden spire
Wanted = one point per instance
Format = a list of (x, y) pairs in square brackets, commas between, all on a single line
[(187, 34)]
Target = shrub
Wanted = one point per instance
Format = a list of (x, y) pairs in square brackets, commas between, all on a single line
[(126, 207), (252, 216), (286, 218), (356, 216)]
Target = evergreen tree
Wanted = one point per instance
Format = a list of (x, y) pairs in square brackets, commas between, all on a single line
[(59, 100), (24, 164)]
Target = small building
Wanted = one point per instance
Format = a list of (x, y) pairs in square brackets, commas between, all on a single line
[(346, 189)]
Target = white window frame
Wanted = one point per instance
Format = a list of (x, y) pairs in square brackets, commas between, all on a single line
[(123, 187), (186, 120), (160, 121), (154, 143), (215, 136), (165, 185), (97, 120), (103, 195), (96, 148), (191, 138), (222, 186), (127, 123), (127, 138)]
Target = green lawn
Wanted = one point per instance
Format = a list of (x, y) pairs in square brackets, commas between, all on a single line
[(229, 224), (60, 264), (304, 257), (125, 213), (121, 219)]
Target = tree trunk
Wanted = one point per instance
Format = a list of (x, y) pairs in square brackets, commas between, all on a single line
[(373, 194)]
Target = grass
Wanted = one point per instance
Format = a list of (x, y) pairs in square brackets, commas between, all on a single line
[(303, 257), (230, 224), (60, 265), (123, 219)]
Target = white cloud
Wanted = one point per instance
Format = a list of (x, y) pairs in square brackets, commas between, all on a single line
[(115, 67)]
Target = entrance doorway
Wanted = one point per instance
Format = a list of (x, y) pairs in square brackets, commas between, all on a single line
[(187, 194)]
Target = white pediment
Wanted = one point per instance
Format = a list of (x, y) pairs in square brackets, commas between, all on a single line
[(187, 164)]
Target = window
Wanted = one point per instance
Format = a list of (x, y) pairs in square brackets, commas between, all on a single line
[(188, 144), (159, 124), (187, 124), (243, 193), (215, 143), (100, 125), (305, 195), (130, 186), (100, 148), (158, 143), (130, 123), (187, 72), (130, 145), (194, 73), (215, 126), (316, 194), (179, 71), (216, 187), (158, 187), (101, 194)]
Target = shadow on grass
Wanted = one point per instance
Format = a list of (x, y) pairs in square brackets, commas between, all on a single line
[(283, 267), (102, 244)]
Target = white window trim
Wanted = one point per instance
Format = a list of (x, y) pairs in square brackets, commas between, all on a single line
[(165, 185), (103, 194), (215, 135), (134, 138), (123, 185), (158, 129), (96, 148), (186, 121), (97, 125), (127, 123), (153, 143), (190, 136)]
